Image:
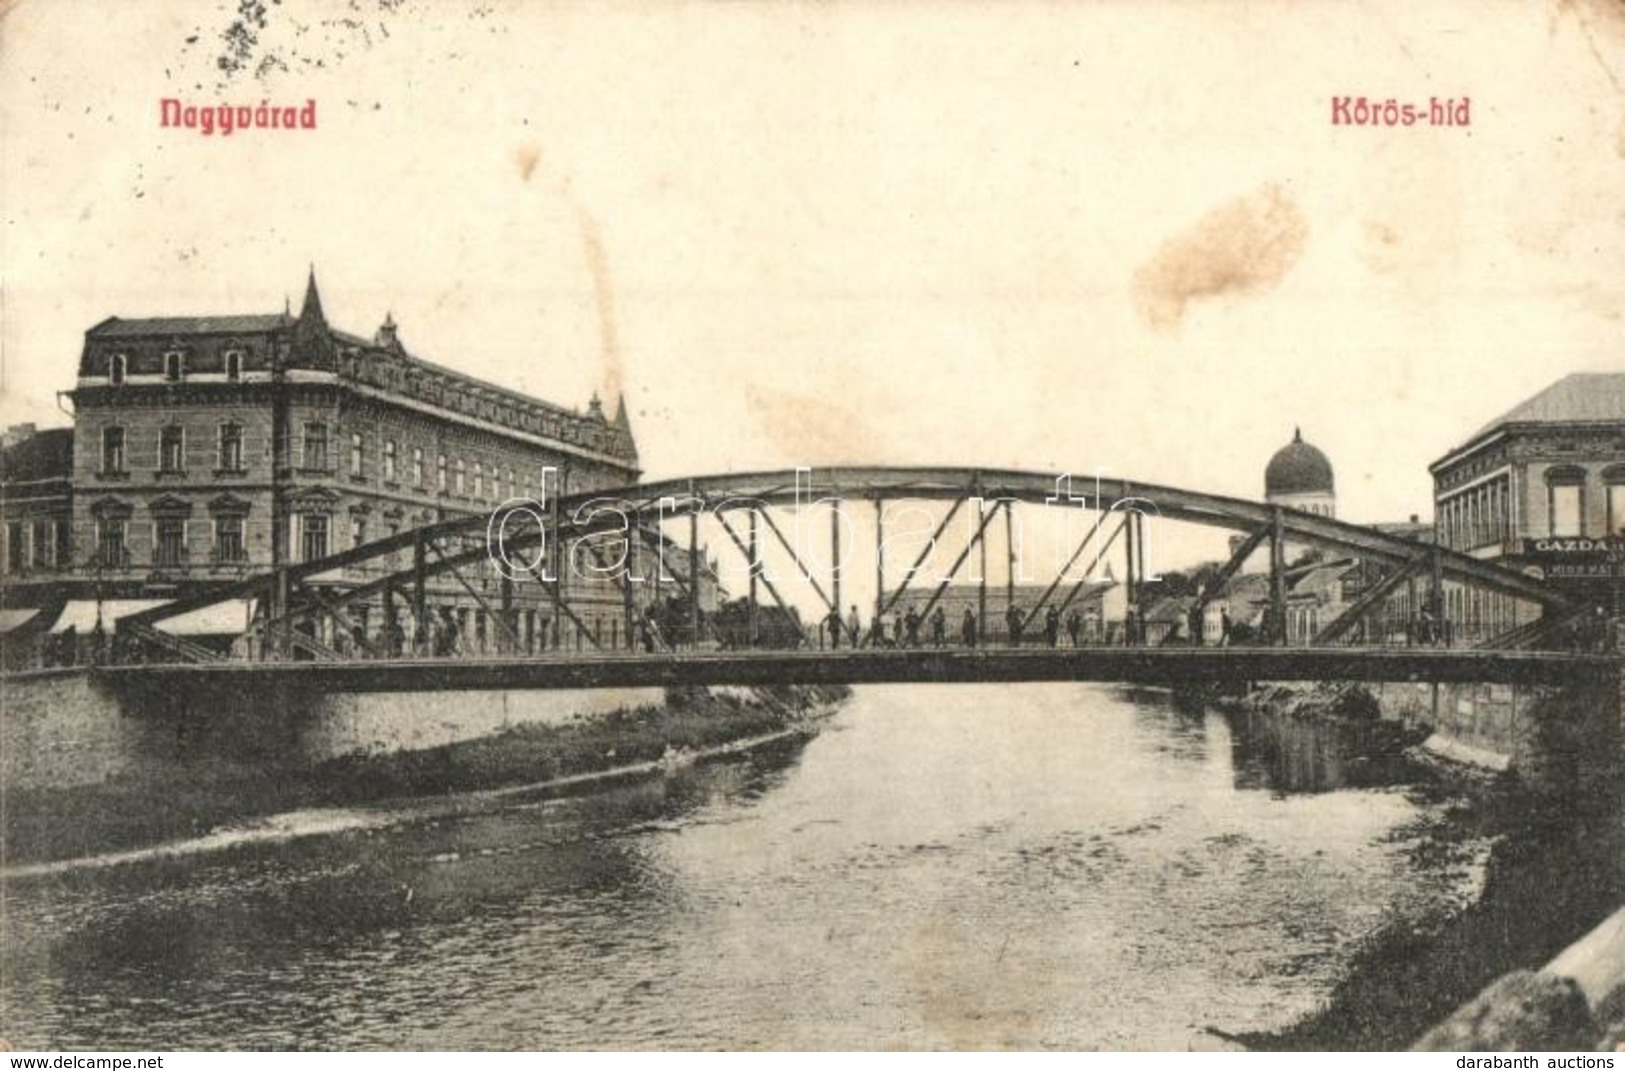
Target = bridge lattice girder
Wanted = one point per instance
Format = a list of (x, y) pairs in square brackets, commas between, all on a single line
[(647, 504)]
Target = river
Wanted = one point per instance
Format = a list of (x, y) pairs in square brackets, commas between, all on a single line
[(1068, 866)]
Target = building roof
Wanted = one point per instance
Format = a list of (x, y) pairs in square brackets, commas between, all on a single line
[(400, 353), (1173, 608), (313, 343), (1577, 398), (1248, 587), (146, 327), (1321, 576), (1298, 468), (45, 455)]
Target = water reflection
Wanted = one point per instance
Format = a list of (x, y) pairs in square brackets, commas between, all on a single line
[(1065, 865), (1286, 754)]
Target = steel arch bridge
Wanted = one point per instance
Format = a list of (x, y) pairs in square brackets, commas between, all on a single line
[(611, 529)]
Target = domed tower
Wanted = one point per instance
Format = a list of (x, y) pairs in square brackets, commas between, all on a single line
[(1300, 477)]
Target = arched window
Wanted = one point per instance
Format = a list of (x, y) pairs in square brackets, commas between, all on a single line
[(174, 366), (1565, 500), (1613, 478), (117, 365)]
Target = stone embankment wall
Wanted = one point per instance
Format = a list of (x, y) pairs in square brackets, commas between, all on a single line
[(1569, 737), (86, 770), (1566, 736), (61, 729)]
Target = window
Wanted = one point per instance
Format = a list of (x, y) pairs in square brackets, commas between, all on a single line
[(16, 546), (462, 484), (417, 466), (355, 453), (174, 366), (315, 536), (228, 540), (171, 448), (358, 531), (117, 366), (64, 544), (479, 480), (234, 364), (440, 474), (496, 484), (113, 450), (389, 460), (171, 543), (1565, 488), (231, 448), (110, 549), (316, 446), (43, 545), (1615, 478)]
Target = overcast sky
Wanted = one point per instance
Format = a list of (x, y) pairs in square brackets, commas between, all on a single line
[(1050, 236)]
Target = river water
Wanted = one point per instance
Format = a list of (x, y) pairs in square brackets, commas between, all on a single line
[(1035, 866)]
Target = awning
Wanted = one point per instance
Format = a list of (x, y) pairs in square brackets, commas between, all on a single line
[(227, 618), (11, 620), (222, 619), (80, 614)]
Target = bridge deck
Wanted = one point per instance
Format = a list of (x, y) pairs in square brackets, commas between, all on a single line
[(1127, 665)]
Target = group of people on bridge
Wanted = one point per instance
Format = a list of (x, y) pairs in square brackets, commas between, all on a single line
[(913, 628)]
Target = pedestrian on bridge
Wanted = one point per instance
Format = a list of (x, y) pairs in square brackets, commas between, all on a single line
[(877, 632), (1052, 627), (967, 628), (1013, 623), (854, 627), (833, 625), (1425, 632), (939, 628), (1074, 625)]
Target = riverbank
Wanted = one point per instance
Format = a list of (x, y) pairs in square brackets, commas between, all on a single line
[(1060, 866), (1548, 878), (144, 804), (1552, 867)]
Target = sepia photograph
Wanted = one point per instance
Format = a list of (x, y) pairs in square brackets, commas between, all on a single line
[(680, 525)]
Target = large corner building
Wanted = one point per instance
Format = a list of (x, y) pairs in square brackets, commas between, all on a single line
[(209, 448), (1541, 488)]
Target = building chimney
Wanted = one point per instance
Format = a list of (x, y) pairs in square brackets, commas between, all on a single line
[(387, 336)]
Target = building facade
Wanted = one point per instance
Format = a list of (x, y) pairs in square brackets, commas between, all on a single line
[(1541, 489), (208, 449)]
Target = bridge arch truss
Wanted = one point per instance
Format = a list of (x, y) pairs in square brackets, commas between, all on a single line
[(615, 530)]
